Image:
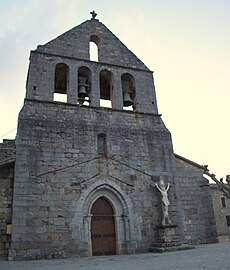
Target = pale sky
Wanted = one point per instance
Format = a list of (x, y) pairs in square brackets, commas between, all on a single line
[(186, 43)]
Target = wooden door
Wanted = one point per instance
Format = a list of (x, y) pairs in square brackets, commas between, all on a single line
[(103, 228)]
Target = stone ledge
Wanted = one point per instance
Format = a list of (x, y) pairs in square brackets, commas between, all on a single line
[(160, 248)]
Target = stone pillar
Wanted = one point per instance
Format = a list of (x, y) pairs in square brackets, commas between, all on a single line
[(95, 89), (72, 96), (86, 247), (48, 94), (117, 95)]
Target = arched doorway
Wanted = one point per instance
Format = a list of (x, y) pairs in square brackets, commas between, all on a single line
[(103, 234)]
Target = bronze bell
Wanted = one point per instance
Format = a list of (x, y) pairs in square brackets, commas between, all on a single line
[(82, 93), (127, 101)]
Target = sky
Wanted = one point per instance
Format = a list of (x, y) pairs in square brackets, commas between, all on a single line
[(186, 43)]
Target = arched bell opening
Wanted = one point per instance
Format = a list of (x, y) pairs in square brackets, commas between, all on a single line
[(128, 90), (106, 88), (94, 48), (103, 231), (61, 82), (84, 85)]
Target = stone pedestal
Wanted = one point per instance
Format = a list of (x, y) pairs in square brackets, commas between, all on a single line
[(166, 234), (167, 240)]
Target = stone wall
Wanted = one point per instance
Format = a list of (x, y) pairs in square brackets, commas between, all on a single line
[(75, 44), (198, 221), (7, 158), (59, 169), (221, 212), (7, 151), (72, 49), (6, 194)]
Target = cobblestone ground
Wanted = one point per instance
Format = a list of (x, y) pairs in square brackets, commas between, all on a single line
[(211, 257)]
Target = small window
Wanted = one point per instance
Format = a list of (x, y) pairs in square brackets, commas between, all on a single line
[(94, 48), (223, 202), (93, 51), (228, 220), (101, 143)]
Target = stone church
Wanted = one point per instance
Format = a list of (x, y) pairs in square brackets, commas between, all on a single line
[(95, 173)]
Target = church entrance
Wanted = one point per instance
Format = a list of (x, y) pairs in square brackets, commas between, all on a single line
[(103, 234)]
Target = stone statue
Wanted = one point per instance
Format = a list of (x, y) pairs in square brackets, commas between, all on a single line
[(165, 201)]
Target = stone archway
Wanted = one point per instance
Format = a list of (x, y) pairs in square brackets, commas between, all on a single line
[(119, 213), (103, 232), (123, 218)]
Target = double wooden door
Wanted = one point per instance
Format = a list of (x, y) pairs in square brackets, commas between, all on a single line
[(103, 233)]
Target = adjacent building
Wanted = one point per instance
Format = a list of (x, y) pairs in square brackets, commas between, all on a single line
[(222, 213)]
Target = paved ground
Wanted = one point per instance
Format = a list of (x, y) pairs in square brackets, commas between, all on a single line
[(211, 257)]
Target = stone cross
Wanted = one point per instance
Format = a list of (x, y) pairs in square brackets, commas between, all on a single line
[(94, 14)]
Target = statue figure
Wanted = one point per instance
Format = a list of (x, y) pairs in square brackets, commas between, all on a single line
[(165, 201)]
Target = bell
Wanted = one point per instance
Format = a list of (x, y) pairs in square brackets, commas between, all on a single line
[(127, 101), (82, 93)]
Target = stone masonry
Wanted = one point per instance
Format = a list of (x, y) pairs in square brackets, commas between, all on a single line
[(222, 212), (70, 154), (7, 157), (196, 202)]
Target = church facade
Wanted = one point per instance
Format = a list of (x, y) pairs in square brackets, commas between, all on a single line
[(81, 178)]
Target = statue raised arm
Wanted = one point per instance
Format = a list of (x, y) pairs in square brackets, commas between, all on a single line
[(165, 201)]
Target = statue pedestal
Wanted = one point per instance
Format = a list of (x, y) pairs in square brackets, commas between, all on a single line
[(167, 240), (166, 234)]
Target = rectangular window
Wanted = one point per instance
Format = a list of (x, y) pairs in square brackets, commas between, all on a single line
[(228, 220), (223, 202)]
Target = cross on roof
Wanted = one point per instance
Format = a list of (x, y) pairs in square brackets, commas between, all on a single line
[(94, 14)]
